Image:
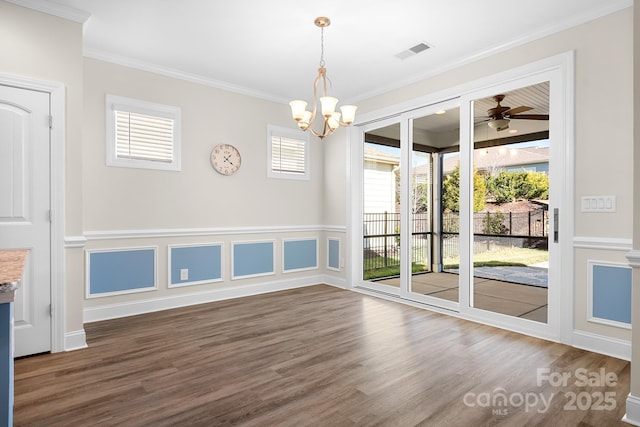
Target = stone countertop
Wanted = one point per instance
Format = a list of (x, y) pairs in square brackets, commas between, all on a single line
[(11, 266)]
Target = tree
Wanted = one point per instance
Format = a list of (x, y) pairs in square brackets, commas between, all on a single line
[(451, 191), (520, 185)]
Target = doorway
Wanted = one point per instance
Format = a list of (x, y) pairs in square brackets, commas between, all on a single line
[(471, 220)]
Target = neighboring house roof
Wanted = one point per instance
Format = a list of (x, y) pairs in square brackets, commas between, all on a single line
[(375, 155), (500, 157)]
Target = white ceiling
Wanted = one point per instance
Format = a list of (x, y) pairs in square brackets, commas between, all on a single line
[(271, 49)]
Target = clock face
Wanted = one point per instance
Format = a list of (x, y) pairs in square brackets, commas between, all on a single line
[(225, 158)]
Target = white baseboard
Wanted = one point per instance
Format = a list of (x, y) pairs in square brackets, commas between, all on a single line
[(75, 340), (632, 415), (132, 308), (335, 281), (613, 347)]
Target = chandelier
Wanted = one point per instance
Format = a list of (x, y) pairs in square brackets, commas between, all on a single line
[(332, 119)]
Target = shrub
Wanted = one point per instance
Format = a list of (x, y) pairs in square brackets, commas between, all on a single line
[(493, 223)]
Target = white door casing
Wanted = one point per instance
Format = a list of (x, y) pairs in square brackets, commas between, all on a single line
[(25, 209)]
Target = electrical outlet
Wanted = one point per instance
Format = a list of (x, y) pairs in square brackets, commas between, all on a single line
[(184, 274)]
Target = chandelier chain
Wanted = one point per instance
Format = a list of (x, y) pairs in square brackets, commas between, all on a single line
[(322, 46)]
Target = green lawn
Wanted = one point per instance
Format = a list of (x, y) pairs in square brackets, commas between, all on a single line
[(377, 273), (504, 257)]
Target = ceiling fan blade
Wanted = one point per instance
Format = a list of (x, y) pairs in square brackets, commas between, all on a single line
[(517, 110), (530, 117)]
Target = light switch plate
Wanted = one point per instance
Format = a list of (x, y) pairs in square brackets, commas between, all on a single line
[(598, 203)]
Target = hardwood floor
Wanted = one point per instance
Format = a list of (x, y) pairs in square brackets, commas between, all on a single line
[(314, 356)]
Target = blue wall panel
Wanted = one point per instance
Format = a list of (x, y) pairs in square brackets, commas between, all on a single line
[(300, 254), (333, 260), (612, 293), (204, 263), (251, 259), (119, 271)]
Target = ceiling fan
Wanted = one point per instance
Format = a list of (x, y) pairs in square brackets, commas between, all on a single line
[(499, 116)]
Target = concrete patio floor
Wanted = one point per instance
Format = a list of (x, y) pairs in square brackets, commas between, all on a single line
[(513, 299)]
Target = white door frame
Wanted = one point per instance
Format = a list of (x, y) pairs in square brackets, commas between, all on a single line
[(57, 142), (551, 329), (560, 69)]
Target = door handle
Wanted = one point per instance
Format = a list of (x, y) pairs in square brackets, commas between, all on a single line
[(556, 224)]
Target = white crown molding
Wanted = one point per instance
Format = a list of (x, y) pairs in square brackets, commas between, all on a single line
[(603, 243), (187, 232), (177, 74), (55, 9)]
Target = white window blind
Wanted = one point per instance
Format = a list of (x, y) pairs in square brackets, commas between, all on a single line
[(143, 137), (142, 134), (287, 155)]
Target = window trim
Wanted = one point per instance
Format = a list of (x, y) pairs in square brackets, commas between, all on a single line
[(131, 105), (281, 131)]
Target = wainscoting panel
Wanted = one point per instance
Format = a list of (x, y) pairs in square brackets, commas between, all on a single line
[(609, 296), (120, 271), (252, 259), (299, 255), (203, 264), (333, 254)]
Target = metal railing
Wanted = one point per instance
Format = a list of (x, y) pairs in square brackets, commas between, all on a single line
[(491, 230), (382, 240)]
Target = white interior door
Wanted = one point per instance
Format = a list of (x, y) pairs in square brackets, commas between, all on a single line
[(24, 209)]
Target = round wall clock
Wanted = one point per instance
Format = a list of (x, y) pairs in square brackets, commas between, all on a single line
[(225, 158)]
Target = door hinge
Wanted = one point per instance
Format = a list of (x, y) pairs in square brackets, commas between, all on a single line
[(50, 122), (50, 215), (51, 310)]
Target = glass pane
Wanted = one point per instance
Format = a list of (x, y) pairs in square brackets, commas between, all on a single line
[(381, 206), (511, 203), (435, 187)]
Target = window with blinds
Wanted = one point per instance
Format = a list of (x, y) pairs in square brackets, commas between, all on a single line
[(288, 156), (141, 134), (143, 137)]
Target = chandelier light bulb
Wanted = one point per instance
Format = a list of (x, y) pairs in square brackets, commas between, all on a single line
[(297, 109), (348, 113), (334, 121), (328, 104)]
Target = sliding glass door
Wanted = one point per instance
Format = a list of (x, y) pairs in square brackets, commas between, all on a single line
[(381, 207), (433, 238), (511, 164), (461, 203)]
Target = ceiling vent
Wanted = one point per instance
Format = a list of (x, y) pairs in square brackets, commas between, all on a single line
[(414, 50)]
